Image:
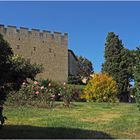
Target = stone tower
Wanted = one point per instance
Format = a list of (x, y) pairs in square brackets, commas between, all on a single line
[(41, 47)]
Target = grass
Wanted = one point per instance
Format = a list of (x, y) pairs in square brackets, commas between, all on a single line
[(83, 120)]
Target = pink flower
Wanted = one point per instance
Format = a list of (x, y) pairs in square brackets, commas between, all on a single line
[(36, 83), (37, 92), (42, 87)]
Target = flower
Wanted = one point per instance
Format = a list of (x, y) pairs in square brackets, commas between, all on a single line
[(131, 96), (64, 83), (36, 83), (23, 83), (52, 96), (49, 84), (42, 87), (37, 92)]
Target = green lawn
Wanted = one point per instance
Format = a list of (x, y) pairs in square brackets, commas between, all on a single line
[(83, 120)]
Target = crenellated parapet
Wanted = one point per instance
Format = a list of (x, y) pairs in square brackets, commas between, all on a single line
[(13, 31), (49, 49)]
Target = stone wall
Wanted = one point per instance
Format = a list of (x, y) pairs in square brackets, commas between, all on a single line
[(41, 47)]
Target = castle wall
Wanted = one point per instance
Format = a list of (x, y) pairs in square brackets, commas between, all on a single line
[(41, 47)]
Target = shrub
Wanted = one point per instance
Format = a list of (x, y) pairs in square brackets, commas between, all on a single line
[(43, 94), (33, 93), (45, 82), (74, 79), (66, 94), (101, 88), (76, 92)]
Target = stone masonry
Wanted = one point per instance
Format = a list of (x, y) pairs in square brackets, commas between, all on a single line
[(41, 47)]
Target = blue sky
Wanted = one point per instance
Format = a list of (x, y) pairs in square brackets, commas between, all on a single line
[(87, 23)]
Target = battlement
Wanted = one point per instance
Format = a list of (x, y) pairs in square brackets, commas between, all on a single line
[(13, 30), (49, 49)]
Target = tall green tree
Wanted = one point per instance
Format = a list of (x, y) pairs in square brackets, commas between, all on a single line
[(118, 63), (137, 76)]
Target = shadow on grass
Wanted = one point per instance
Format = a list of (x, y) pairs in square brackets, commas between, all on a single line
[(32, 132)]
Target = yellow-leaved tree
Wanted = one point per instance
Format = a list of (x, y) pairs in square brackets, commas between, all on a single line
[(101, 88)]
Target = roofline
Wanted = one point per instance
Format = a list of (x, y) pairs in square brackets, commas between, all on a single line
[(73, 54)]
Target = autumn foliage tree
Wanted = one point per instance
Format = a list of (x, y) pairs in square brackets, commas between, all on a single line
[(101, 88)]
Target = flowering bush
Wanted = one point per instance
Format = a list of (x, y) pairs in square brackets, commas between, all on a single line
[(21, 97), (101, 88), (32, 94), (43, 93), (66, 94)]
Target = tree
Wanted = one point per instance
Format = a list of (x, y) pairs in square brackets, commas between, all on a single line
[(21, 70), (137, 76), (5, 65), (101, 88), (84, 70), (118, 63), (13, 71), (87, 67), (5, 53)]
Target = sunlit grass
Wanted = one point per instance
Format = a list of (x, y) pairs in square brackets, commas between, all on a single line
[(97, 119)]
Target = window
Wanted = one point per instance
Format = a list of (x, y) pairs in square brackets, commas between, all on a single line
[(50, 50), (34, 48), (18, 47)]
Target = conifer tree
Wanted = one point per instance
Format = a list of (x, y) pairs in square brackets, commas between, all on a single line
[(137, 76), (118, 64)]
